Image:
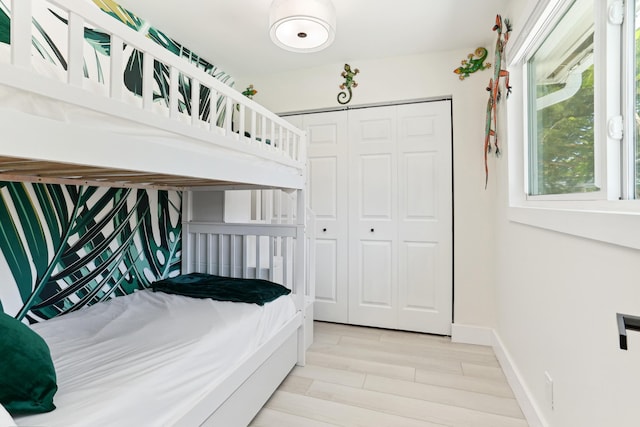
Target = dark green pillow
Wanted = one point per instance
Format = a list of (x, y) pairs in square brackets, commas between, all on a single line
[(202, 285), (27, 375)]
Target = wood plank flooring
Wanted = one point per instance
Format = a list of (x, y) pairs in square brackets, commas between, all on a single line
[(369, 377)]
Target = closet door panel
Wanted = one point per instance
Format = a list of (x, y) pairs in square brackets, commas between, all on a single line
[(373, 270), (425, 217), (327, 150), (374, 187), (376, 273), (323, 199), (373, 291), (417, 271), (420, 183), (326, 271)]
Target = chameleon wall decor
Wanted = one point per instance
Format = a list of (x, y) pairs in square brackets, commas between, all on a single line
[(348, 74), (502, 28), (471, 64)]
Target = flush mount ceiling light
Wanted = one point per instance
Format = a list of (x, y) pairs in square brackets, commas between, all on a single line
[(302, 25)]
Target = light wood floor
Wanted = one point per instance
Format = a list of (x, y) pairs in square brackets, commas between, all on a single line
[(357, 376)]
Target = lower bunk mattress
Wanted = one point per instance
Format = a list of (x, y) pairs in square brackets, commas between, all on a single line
[(148, 358)]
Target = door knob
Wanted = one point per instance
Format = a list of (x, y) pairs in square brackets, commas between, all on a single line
[(324, 230), (372, 230)]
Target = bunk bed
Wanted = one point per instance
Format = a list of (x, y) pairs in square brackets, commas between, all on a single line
[(197, 136)]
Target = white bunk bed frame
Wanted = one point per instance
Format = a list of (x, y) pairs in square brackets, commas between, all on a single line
[(190, 155), (223, 249)]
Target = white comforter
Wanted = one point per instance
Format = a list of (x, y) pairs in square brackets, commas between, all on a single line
[(146, 359)]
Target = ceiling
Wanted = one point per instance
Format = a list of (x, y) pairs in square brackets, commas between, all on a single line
[(234, 34)]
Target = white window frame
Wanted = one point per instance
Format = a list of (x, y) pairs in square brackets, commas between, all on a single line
[(628, 187), (600, 178), (600, 215)]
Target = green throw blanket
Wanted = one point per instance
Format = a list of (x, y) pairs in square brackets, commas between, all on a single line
[(200, 285)]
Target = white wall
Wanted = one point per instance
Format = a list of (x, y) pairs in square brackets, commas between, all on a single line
[(557, 299), (551, 297), (407, 78)]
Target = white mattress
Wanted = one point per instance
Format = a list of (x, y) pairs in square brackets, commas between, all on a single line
[(146, 359)]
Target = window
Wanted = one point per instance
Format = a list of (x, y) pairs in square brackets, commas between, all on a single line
[(577, 123), (578, 144), (636, 74), (561, 107)]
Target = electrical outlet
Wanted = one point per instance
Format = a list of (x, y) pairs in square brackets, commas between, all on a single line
[(548, 382)]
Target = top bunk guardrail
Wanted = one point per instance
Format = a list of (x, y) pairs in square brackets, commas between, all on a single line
[(195, 104)]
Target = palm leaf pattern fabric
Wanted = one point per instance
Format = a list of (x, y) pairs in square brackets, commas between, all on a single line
[(69, 246)]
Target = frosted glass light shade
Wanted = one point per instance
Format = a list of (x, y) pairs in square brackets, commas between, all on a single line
[(302, 25)]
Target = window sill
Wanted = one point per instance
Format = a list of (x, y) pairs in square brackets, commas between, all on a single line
[(612, 222)]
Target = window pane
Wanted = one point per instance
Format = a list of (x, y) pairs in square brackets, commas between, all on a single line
[(637, 115), (561, 109)]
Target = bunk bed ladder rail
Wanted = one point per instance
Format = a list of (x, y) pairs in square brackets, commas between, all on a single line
[(250, 127), (250, 251)]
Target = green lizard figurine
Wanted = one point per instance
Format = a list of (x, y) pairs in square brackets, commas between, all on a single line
[(343, 97), (249, 92), (471, 64)]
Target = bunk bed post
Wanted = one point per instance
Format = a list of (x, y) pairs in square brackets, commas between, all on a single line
[(21, 33), (300, 274), (310, 241)]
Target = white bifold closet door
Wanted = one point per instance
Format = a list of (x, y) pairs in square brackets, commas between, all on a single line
[(327, 138), (381, 187), (400, 218)]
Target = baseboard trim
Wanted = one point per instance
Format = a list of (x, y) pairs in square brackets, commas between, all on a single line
[(529, 408), (468, 334)]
